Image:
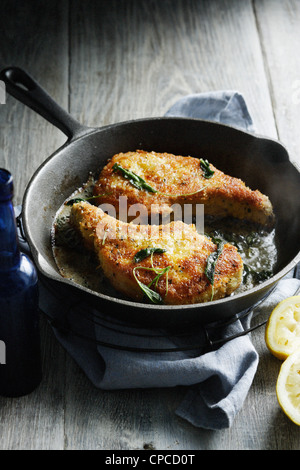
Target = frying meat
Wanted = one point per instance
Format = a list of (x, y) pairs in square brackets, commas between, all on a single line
[(182, 257), (178, 179)]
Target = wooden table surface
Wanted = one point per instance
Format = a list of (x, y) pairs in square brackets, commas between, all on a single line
[(109, 61)]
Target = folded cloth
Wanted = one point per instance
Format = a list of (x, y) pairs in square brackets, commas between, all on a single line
[(118, 356), (226, 107)]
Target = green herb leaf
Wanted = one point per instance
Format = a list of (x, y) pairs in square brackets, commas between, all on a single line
[(208, 172), (134, 179), (74, 201), (155, 297), (159, 274), (142, 254), (211, 264), (140, 183)]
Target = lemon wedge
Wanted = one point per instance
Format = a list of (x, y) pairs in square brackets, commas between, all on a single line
[(282, 333), (288, 387)]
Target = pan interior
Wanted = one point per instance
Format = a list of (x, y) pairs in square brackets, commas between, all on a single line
[(262, 163)]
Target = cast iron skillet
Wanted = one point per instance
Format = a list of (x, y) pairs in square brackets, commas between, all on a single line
[(261, 162)]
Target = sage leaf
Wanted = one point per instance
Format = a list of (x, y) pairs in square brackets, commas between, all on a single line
[(155, 297), (142, 254), (208, 172), (74, 201), (134, 179), (141, 184), (212, 261), (159, 274)]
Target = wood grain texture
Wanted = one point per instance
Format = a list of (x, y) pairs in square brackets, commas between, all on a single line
[(36, 421), (278, 25), (135, 59), (38, 42), (109, 61)]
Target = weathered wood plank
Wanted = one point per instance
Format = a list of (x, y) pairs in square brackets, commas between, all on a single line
[(35, 38), (36, 421), (135, 59), (278, 24), (38, 42)]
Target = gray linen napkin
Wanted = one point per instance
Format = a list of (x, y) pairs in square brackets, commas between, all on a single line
[(217, 381), (226, 107)]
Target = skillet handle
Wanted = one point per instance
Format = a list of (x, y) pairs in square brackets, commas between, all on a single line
[(25, 89)]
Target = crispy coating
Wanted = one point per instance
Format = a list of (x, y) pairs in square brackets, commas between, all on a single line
[(178, 180), (116, 243)]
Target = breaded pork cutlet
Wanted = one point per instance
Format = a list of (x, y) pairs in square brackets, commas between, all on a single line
[(173, 257), (184, 180)]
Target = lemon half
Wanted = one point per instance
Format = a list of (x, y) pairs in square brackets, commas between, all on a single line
[(283, 328), (288, 387)]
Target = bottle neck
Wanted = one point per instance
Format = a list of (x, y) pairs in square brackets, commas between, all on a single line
[(9, 247)]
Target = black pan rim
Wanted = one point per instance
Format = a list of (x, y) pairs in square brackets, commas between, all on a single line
[(87, 131)]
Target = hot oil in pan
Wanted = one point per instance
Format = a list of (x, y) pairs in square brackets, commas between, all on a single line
[(74, 262), (256, 246)]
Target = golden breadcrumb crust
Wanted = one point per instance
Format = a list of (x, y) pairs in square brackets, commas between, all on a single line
[(116, 243), (176, 178)]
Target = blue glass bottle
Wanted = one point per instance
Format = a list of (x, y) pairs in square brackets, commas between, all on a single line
[(20, 357)]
